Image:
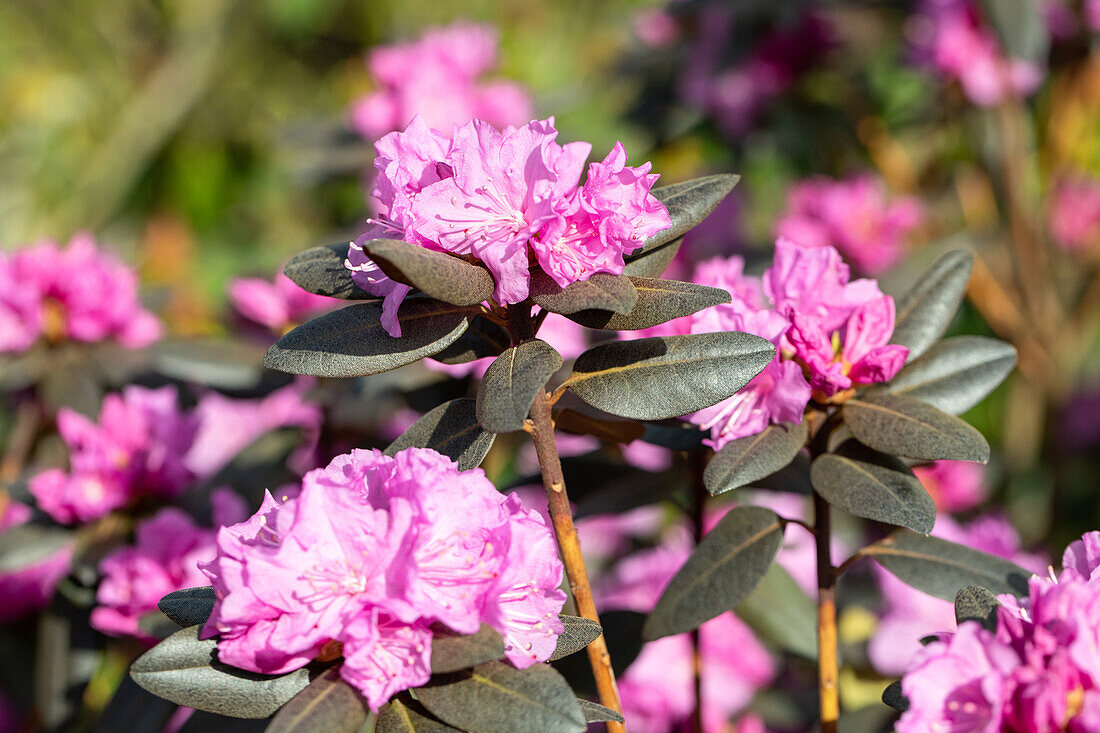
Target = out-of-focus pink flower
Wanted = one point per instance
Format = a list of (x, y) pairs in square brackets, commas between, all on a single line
[(80, 293), (655, 27), (29, 588), (277, 304), (1075, 214), (852, 215), (1092, 15), (955, 486), (1081, 560), (371, 553), (436, 77)]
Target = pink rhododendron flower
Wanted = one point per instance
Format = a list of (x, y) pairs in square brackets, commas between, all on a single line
[(436, 77), (1075, 214), (509, 199), (955, 486), (654, 27), (277, 304), (371, 553), (1092, 15), (80, 293), (852, 215), (29, 588)]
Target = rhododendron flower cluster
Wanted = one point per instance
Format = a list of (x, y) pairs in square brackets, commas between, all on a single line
[(377, 553), (511, 200), (436, 77), (1075, 214), (79, 293), (852, 215), (1039, 671), (277, 304)]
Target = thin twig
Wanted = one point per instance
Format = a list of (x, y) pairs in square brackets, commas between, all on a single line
[(827, 665), (698, 504)]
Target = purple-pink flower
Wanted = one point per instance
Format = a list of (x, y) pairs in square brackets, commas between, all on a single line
[(80, 293), (437, 77), (1075, 214), (372, 553), (277, 304), (853, 215), (955, 486)]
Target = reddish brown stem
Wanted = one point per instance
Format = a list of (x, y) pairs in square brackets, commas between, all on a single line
[(827, 665)]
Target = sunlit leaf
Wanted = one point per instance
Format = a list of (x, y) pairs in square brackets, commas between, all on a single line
[(451, 429), (974, 603), (956, 373), (321, 271), (511, 384), (905, 426), (658, 301), (188, 607), (438, 275), (746, 460), (579, 633), (602, 291), (781, 613), (925, 312), (452, 653), (688, 203), (403, 714), (326, 705)]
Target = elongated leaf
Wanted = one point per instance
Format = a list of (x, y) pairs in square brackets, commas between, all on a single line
[(905, 426), (654, 261), (748, 459), (793, 478), (511, 384), (321, 271), (893, 697), (630, 489), (436, 274), (607, 292), (483, 338), (595, 713), (675, 435), (327, 705), (188, 607), (579, 633), (610, 431), (925, 312), (402, 714), (724, 569), (781, 613), (974, 603), (956, 373), (498, 697), (452, 653), (669, 376), (658, 301), (29, 544), (1022, 28), (940, 568), (451, 429), (875, 486), (350, 342), (688, 203), (211, 362), (185, 670)]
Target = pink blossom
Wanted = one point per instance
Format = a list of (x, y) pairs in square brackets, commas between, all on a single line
[(278, 305), (371, 553), (1092, 15), (955, 486), (1075, 213), (29, 588), (654, 27), (436, 77), (852, 215), (20, 310)]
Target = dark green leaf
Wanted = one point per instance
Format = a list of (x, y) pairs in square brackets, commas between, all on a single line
[(659, 301), (452, 653), (402, 714), (893, 697), (688, 203), (327, 705), (185, 670), (940, 568), (654, 261), (724, 569), (794, 477), (483, 338), (350, 342), (579, 633), (596, 713), (603, 291), (974, 603), (749, 459), (216, 363), (1022, 28), (925, 312), (875, 486), (321, 270), (29, 544), (668, 376), (511, 383), (436, 274), (781, 613), (609, 431), (956, 373), (188, 607), (498, 697), (675, 435), (134, 710), (631, 488), (451, 429), (905, 426)]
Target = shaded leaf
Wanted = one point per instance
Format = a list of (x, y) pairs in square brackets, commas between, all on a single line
[(216, 363), (893, 697), (29, 544), (659, 301), (134, 710), (512, 382), (793, 478), (483, 338), (326, 705), (185, 670), (675, 435), (724, 569), (609, 431), (436, 274), (905, 426), (940, 568), (745, 460), (925, 312), (498, 697), (579, 633), (654, 261), (668, 376), (453, 653), (321, 270), (596, 713), (688, 203), (974, 603), (875, 486), (188, 607), (350, 342), (1021, 27), (402, 714), (956, 373), (781, 613), (451, 429), (630, 489), (603, 291)]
